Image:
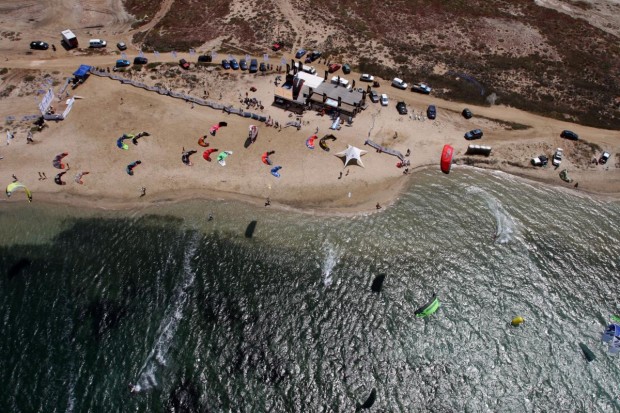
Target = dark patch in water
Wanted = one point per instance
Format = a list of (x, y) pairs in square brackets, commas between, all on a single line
[(106, 315), (185, 398), (369, 401), (18, 267), (377, 283), (249, 231)]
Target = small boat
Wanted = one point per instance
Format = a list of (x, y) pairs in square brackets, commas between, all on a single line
[(446, 158)]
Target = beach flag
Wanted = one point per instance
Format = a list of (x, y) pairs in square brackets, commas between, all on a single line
[(124, 55), (283, 61), (213, 54), (230, 57), (174, 53), (141, 53), (247, 57), (192, 52), (155, 53), (266, 57)]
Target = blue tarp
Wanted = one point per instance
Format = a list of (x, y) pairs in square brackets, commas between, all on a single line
[(82, 71)]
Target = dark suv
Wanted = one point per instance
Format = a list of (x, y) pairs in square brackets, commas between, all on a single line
[(253, 66), (140, 60), (314, 55), (568, 134), (467, 113), (38, 45), (473, 134), (431, 112), (401, 107)]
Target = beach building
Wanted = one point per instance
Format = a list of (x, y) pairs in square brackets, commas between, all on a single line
[(302, 90)]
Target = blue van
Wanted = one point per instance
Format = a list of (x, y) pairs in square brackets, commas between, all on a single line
[(253, 66)]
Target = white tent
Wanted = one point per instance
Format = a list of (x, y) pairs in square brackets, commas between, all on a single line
[(352, 154)]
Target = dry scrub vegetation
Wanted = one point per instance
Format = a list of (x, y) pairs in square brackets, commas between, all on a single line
[(531, 57)]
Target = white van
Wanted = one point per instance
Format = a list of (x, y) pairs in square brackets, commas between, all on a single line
[(97, 43), (343, 82), (305, 68), (399, 83)]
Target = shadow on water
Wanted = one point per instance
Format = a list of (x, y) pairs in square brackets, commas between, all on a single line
[(185, 397), (249, 231), (377, 283), (18, 267)]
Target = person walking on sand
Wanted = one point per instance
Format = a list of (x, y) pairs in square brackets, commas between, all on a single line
[(15, 178), (142, 191), (267, 202), (378, 206), (44, 177), (29, 138)]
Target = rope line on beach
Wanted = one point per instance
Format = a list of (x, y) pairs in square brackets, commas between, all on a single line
[(383, 149), (374, 116), (187, 98)]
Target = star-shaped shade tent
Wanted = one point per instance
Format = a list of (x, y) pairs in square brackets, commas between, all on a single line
[(352, 155)]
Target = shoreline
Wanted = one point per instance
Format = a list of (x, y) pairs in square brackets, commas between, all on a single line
[(364, 208)]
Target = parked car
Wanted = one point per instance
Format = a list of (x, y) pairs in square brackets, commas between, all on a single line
[(367, 78), (557, 157), (567, 134), (421, 88), (374, 96), (121, 46), (540, 161), (234, 65), (243, 64), (262, 67), (97, 43), (140, 60), (346, 68), (401, 107), (334, 67), (39, 45), (314, 55), (184, 64), (467, 113), (399, 83), (384, 100), (205, 58), (300, 53), (473, 134), (431, 112), (604, 158), (122, 63), (253, 66), (276, 46), (225, 64)]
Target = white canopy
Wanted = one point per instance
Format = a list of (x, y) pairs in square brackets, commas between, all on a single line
[(352, 154)]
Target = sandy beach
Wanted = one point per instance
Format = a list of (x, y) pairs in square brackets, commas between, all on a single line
[(311, 180)]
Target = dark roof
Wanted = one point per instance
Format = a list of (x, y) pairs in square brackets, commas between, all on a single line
[(348, 96)]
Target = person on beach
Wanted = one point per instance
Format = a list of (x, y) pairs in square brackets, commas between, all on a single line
[(267, 202), (378, 206), (142, 191), (29, 138), (15, 178), (210, 218)]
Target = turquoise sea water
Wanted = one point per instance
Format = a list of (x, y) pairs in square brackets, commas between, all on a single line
[(201, 318)]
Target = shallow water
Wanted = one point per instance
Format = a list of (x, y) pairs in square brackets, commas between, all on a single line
[(197, 315)]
